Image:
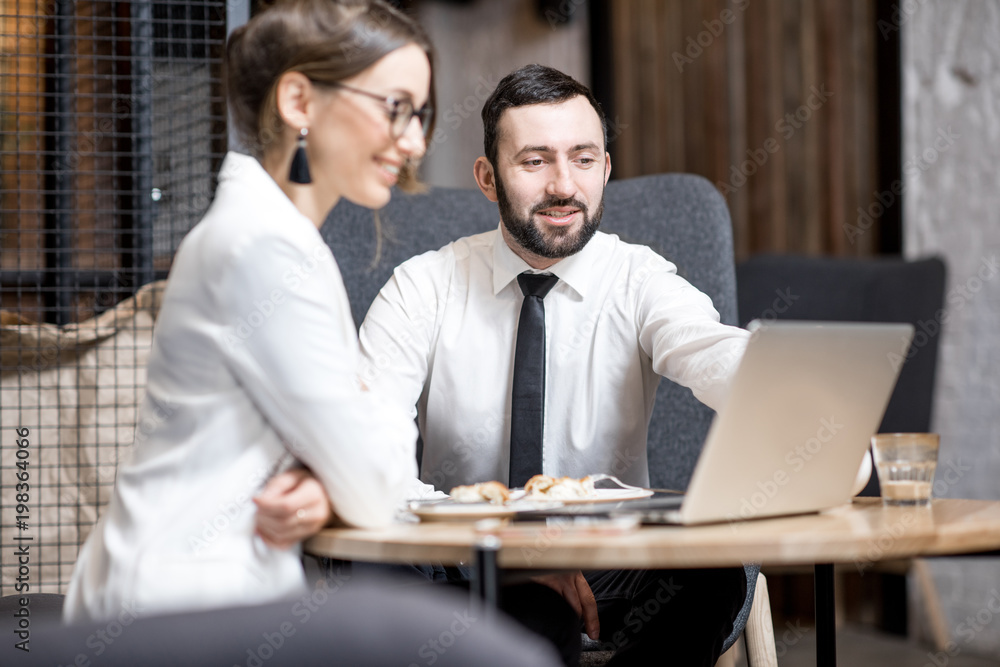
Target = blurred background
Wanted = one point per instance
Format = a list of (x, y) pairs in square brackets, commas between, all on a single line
[(851, 129)]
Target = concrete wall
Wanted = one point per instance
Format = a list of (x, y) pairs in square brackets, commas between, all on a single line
[(477, 44), (951, 115)]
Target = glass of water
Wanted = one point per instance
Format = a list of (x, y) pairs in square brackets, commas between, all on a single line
[(906, 464)]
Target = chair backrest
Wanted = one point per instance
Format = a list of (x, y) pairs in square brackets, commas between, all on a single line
[(859, 290), (680, 216)]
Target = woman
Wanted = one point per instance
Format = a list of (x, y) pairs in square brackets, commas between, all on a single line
[(254, 356)]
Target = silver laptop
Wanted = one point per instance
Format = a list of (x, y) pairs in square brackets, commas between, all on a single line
[(805, 401)]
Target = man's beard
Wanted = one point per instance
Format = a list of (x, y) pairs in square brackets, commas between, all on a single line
[(561, 241)]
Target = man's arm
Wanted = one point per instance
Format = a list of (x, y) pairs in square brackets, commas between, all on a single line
[(575, 589), (397, 338), (679, 329)]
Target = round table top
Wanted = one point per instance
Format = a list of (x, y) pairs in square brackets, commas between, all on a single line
[(861, 532)]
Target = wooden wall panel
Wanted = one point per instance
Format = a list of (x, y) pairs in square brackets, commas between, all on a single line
[(478, 43), (91, 155), (771, 100), (21, 105)]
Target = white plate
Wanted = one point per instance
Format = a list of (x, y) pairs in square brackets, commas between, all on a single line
[(602, 496), (449, 510)]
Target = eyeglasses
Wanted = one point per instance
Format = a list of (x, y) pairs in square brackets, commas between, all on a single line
[(400, 111)]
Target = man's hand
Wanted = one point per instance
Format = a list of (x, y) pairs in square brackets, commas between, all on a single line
[(292, 507), (576, 590)]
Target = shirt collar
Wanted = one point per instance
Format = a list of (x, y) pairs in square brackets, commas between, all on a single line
[(575, 270), (238, 167), (245, 171)]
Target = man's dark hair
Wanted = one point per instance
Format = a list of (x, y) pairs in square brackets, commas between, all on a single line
[(531, 84)]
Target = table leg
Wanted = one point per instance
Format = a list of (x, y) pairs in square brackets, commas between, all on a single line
[(486, 573), (826, 624)]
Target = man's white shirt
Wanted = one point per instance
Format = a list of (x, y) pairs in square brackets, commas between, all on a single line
[(439, 339)]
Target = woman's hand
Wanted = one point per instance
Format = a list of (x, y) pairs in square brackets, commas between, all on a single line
[(292, 507)]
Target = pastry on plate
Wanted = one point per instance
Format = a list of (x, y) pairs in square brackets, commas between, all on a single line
[(483, 492), (559, 488)]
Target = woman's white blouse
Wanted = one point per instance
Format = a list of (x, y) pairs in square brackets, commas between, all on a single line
[(254, 364)]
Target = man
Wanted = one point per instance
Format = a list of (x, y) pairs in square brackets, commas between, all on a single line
[(441, 337)]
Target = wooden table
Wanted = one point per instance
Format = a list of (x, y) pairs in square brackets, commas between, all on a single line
[(861, 533)]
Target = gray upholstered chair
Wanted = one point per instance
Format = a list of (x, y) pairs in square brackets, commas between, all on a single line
[(357, 623), (887, 289), (884, 289), (680, 216)]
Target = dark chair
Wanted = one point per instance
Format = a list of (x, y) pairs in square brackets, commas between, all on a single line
[(858, 290), (680, 216), (865, 290), (355, 623)]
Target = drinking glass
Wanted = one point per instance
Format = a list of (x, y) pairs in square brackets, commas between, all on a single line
[(906, 464)]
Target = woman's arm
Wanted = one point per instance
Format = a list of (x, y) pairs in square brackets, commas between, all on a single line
[(292, 508), (289, 339)]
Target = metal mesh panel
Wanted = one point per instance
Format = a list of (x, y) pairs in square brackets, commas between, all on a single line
[(112, 127)]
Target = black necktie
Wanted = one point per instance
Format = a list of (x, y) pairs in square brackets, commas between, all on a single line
[(527, 405)]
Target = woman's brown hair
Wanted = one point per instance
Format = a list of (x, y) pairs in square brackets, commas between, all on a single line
[(328, 41)]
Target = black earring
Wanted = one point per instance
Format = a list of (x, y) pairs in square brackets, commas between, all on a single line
[(300, 164)]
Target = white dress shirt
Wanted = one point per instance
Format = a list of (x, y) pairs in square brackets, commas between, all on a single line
[(254, 364), (440, 337)]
